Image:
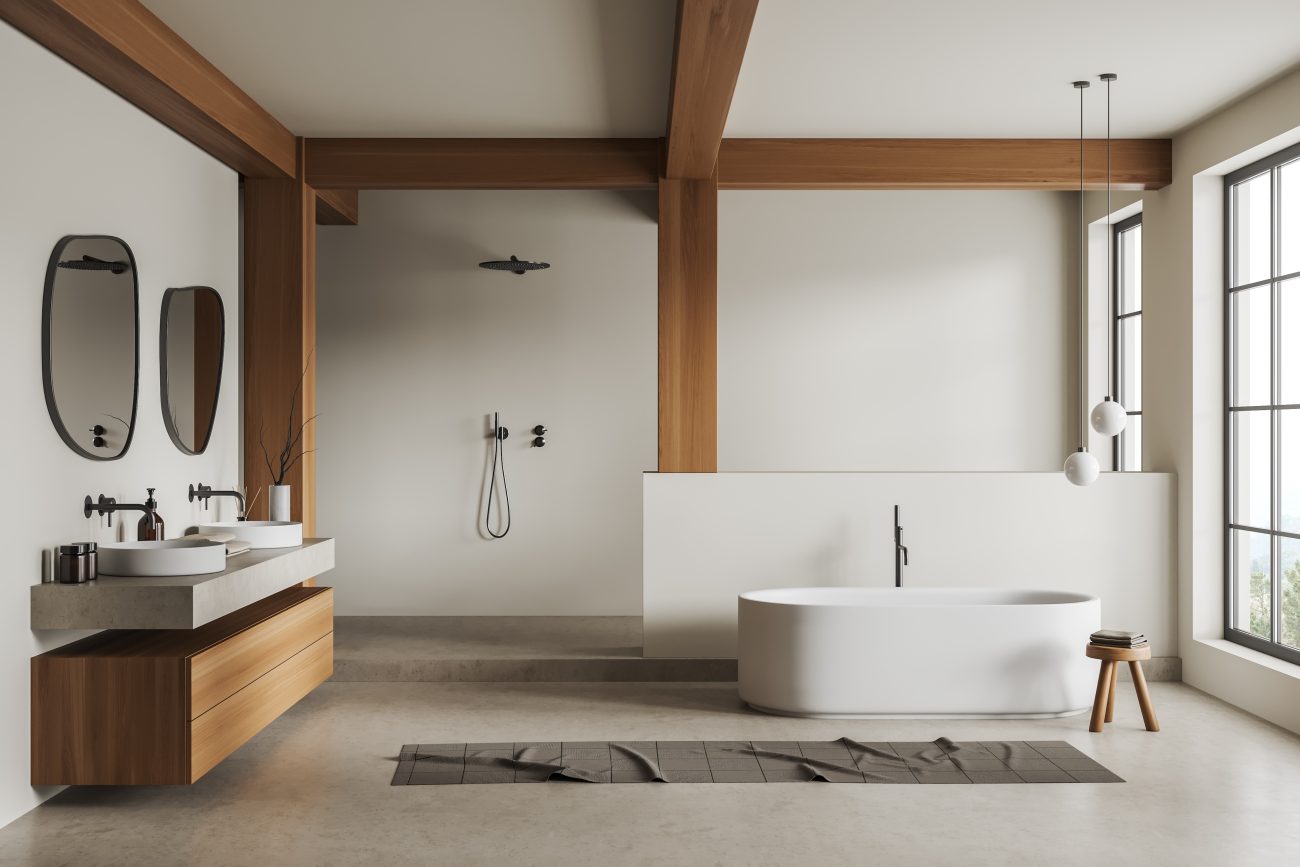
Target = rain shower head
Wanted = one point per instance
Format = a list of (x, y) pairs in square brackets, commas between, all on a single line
[(514, 265), (90, 263)]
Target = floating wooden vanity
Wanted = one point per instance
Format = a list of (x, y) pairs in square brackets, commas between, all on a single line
[(159, 707), (188, 669)]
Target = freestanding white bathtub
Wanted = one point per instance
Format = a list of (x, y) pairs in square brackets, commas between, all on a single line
[(916, 652)]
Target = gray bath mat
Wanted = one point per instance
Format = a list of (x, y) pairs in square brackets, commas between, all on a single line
[(838, 761)]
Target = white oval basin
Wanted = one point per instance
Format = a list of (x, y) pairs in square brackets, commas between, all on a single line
[(260, 534), (169, 557)]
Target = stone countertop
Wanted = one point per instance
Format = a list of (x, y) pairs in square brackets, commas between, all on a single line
[(183, 601)]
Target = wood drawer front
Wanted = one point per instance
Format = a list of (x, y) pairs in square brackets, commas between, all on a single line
[(222, 670), (226, 727)]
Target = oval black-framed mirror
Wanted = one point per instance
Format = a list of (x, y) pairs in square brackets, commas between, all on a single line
[(90, 344), (191, 355)]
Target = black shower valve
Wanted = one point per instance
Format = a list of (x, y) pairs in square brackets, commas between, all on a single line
[(540, 430), (538, 442)]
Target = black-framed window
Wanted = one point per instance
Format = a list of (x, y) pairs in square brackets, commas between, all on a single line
[(1126, 339), (1262, 421)]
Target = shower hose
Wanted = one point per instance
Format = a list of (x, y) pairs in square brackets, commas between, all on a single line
[(499, 435)]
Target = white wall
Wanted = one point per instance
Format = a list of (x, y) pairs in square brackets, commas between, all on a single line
[(896, 330), (417, 346), (710, 537), (1183, 383), (77, 159)]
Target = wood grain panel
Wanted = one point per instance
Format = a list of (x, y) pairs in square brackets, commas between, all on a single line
[(109, 721), (688, 326), (229, 725), (219, 672), (950, 164), (481, 164), (128, 49), (280, 335), (337, 208), (707, 52)]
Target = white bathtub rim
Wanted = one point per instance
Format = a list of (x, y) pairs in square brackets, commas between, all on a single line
[(904, 716), (878, 597)]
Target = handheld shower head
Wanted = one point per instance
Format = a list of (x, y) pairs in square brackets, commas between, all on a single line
[(514, 264)]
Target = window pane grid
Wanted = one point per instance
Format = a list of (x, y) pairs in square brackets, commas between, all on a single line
[(1262, 419), (1126, 340), (1278, 279)]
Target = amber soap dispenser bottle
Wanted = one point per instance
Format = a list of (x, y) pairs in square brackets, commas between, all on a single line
[(144, 532)]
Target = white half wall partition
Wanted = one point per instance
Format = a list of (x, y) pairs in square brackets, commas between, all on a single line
[(709, 537)]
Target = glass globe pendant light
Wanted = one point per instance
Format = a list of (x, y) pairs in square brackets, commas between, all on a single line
[(1108, 417), (1081, 468)]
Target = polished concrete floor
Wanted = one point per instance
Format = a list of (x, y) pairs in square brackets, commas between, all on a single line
[(506, 650), (1216, 786)]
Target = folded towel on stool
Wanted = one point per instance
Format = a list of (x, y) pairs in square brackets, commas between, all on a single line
[(1118, 638)]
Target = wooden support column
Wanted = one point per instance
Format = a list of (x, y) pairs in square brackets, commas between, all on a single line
[(280, 333), (708, 48), (688, 325)]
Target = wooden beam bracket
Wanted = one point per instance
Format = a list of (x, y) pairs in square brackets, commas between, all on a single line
[(337, 207)]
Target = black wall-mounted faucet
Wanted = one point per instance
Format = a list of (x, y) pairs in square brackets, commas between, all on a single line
[(900, 551), (107, 506), (204, 492)]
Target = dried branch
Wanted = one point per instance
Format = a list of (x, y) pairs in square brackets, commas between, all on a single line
[(297, 458), (286, 459), (265, 455)]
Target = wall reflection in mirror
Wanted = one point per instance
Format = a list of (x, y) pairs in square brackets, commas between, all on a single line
[(90, 344), (192, 344)]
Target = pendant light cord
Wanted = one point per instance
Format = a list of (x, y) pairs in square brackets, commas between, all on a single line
[(1110, 273), (1083, 322)]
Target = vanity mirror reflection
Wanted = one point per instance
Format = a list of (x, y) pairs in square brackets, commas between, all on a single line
[(192, 340), (90, 344)]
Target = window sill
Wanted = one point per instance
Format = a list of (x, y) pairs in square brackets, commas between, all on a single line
[(1231, 648)]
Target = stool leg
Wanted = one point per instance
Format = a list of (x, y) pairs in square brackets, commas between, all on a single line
[(1103, 690), (1110, 698), (1144, 698)]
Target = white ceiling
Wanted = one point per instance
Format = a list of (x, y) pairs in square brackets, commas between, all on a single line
[(931, 68), (442, 67), (813, 68)]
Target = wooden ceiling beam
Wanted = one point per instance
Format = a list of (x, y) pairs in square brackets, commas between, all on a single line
[(941, 164), (336, 207), (482, 164), (743, 164), (128, 49), (708, 49)]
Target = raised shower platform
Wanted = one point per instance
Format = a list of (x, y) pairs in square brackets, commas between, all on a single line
[(507, 650)]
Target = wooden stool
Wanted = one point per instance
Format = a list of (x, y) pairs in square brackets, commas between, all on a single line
[(1104, 705)]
